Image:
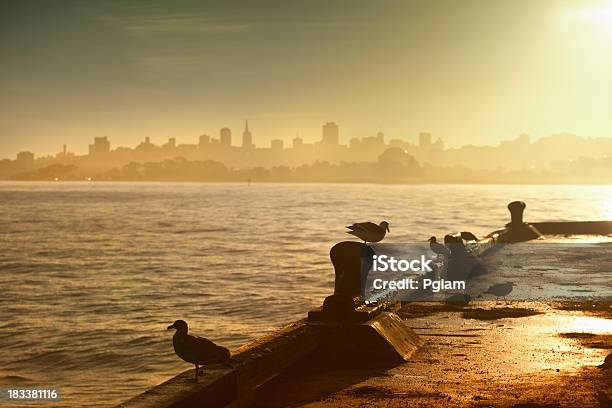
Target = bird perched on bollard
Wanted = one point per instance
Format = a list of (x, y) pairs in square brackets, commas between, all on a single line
[(438, 248), (196, 350), (500, 289), (368, 231)]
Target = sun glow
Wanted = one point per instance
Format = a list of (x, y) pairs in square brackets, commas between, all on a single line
[(603, 15), (595, 17)]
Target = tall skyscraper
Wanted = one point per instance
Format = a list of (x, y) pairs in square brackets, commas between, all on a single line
[(247, 137), (330, 134), (101, 145), (226, 136), (298, 142)]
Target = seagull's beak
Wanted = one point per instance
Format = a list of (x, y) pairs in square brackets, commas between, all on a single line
[(171, 327), (388, 230)]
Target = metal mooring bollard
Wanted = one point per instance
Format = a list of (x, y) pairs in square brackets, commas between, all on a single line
[(352, 262), (518, 230), (516, 208), (355, 332)]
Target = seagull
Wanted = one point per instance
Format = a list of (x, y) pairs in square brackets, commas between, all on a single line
[(500, 289), (438, 248), (368, 231), (196, 350), (458, 299)]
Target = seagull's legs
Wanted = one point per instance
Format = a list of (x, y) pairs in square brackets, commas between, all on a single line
[(197, 368)]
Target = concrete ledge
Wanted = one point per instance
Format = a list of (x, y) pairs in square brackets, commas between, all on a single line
[(574, 227), (261, 360), (252, 365), (216, 389), (384, 340)]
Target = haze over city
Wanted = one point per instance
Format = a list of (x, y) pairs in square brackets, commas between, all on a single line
[(473, 72)]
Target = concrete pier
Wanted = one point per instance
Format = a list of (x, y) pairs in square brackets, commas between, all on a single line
[(341, 347)]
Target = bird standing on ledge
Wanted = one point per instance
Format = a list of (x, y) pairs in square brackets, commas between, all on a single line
[(438, 248), (500, 289), (196, 350), (368, 231)]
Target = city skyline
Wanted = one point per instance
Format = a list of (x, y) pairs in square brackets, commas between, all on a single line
[(475, 72), (227, 142), (329, 133), (236, 138), (377, 158)]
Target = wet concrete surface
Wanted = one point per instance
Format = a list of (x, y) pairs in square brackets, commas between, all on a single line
[(500, 354)]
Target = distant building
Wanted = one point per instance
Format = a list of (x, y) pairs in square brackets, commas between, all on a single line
[(425, 139), (145, 147), (276, 144), (372, 142), (203, 141), (25, 159), (381, 137), (225, 135), (64, 153), (331, 135), (171, 143), (298, 142), (100, 146), (247, 137)]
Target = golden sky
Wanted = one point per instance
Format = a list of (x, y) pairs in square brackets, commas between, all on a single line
[(471, 72)]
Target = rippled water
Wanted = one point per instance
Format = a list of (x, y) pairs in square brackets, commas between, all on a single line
[(92, 273)]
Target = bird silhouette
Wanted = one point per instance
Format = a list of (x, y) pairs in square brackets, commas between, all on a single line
[(500, 289), (196, 350), (458, 299), (368, 231), (438, 248)]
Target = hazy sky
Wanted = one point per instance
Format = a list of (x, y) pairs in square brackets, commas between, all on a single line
[(467, 71)]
